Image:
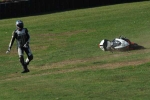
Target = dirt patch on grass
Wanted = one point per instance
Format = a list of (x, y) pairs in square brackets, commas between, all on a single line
[(94, 63), (76, 69), (79, 65)]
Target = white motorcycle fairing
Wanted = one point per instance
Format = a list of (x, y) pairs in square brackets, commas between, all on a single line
[(119, 43), (105, 45)]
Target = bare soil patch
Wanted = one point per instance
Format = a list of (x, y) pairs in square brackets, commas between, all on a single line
[(95, 63)]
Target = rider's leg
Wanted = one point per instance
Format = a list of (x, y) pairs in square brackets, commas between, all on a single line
[(21, 59), (29, 55)]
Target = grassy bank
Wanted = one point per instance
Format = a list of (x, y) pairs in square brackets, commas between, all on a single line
[(68, 65)]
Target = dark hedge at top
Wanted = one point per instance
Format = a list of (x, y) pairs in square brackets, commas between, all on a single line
[(19, 8)]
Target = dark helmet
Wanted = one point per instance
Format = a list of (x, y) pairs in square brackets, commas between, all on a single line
[(19, 24)]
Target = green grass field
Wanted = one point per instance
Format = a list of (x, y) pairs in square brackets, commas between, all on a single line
[(69, 65)]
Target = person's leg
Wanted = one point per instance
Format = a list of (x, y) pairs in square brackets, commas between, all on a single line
[(29, 55), (21, 59)]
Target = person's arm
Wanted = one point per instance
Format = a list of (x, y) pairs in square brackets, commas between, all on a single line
[(27, 39), (11, 42)]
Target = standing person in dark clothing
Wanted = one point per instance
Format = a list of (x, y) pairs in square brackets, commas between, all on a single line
[(22, 38)]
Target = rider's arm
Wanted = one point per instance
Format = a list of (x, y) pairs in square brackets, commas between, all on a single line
[(12, 39), (26, 45), (11, 42), (28, 36)]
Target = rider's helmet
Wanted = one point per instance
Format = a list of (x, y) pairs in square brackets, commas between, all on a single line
[(105, 45), (19, 24)]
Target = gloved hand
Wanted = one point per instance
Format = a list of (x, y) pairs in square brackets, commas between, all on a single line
[(8, 50), (26, 45)]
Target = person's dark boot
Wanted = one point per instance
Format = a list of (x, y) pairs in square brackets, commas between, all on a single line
[(26, 70)]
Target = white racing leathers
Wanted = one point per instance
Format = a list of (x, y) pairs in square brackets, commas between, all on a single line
[(22, 38)]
